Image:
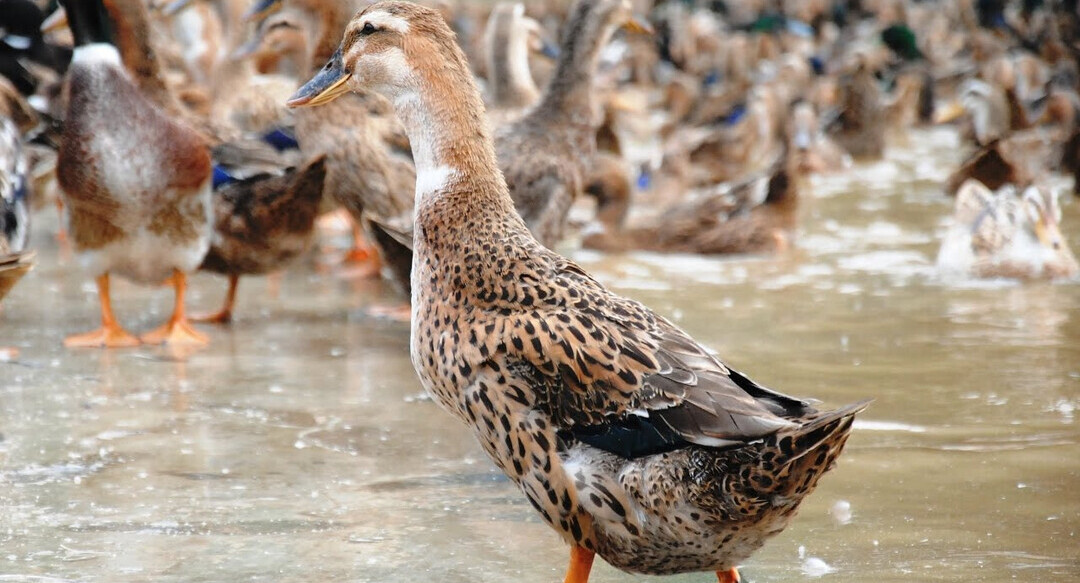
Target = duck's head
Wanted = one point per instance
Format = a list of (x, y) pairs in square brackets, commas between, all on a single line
[(1044, 215), (282, 34), (391, 47)]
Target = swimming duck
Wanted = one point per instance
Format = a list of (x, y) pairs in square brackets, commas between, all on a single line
[(753, 216), (632, 440), (544, 154), (812, 150), (1006, 234), (260, 225), (149, 226), (860, 126)]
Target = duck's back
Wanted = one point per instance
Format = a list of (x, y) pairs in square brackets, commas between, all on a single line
[(134, 180), (122, 149)]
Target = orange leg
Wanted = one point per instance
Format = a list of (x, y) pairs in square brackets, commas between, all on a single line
[(224, 315), (580, 564), (111, 334), (362, 250), (61, 231), (729, 576), (178, 329)]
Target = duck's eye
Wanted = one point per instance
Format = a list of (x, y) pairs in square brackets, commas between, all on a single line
[(368, 28)]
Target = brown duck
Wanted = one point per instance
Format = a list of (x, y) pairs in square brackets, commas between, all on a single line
[(261, 224), (136, 182), (544, 154), (629, 438)]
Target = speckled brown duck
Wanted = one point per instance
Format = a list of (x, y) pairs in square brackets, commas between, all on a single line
[(366, 173), (261, 224), (629, 438), (136, 182), (755, 216), (544, 155), (1009, 233)]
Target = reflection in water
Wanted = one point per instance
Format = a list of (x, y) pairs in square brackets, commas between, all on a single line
[(299, 447)]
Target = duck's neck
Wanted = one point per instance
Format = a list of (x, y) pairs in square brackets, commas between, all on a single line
[(512, 82), (444, 118), (132, 25), (569, 95)]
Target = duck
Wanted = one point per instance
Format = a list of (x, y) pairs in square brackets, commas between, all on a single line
[(367, 173), (860, 126), (544, 154), (509, 38), (1010, 233), (148, 226), (813, 151), (261, 224), (754, 216), (16, 118), (631, 440)]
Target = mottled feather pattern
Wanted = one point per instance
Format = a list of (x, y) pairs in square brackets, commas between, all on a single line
[(264, 222)]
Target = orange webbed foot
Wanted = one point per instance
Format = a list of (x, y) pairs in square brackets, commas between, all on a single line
[(223, 317), (179, 332), (104, 337)]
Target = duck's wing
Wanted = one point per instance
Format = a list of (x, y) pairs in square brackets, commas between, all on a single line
[(618, 374)]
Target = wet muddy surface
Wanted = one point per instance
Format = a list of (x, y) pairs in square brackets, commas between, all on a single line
[(300, 447)]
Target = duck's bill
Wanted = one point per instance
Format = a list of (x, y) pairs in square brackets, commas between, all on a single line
[(950, 113), (56, 21), (175, 6), (327, 85), (639, 25), (261, 9)]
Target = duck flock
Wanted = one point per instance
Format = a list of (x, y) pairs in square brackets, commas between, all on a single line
[(456, 141)]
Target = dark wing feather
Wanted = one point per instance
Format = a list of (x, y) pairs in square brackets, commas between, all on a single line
[(614, 358)]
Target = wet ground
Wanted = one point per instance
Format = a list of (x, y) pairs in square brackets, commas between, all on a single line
[(299, 447)]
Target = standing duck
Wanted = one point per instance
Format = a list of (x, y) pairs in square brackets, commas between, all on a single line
[(135, 181), (631, 440), (261, 224), (544, 154)]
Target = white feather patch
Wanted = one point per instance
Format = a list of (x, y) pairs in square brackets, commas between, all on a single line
[(385, 20), (430, 180), (95, 53)]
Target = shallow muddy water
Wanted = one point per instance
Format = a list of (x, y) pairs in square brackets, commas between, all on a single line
[(299, 446)]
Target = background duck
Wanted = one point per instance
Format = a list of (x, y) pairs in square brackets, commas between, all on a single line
[(754, 216), (543, 155), (860, 126), (629, 438), (1006, 234), (261, 224), (16, 118), (366, 173), (148, 226), (510, 37)]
